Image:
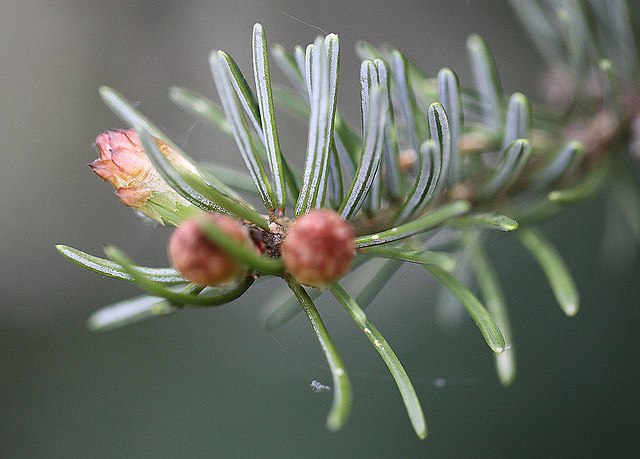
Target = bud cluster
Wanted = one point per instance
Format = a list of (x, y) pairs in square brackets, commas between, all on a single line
[(318, 248)]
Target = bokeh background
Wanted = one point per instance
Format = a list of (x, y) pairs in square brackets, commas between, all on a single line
[(214, 383)]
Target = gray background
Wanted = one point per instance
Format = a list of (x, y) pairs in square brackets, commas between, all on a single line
[(214, 382)]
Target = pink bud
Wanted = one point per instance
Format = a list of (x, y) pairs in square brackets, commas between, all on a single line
[(319, 248), (125, 165), (200, 260)]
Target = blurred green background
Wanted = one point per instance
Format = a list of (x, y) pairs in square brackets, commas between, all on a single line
[(214, 383)]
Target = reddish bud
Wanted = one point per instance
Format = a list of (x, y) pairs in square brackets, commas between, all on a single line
[(319, 248), (200, 260), (124, 163)]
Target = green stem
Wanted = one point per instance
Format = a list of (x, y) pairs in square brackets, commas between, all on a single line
[(419, 225), (112, 269), (341, 407), (554, 267), (398, 372), (178, 298), (488, 220), (425, 257), (505, 362), (478, 313)]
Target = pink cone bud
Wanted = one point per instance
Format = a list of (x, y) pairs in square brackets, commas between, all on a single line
[(124, 164), (200, 260), (319, 248)]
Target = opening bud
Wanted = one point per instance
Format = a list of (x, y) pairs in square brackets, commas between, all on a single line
[(200, 260), (319, 248), (124, 163)]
